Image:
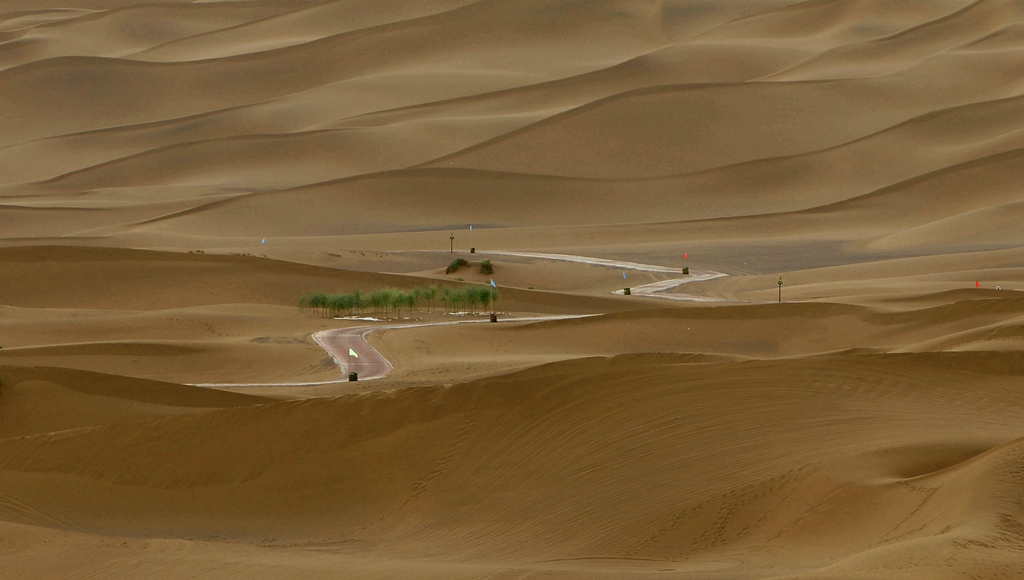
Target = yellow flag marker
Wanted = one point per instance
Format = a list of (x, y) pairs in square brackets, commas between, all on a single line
[(352, 353)]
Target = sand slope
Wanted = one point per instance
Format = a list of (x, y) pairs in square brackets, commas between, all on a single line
[(647, 103), (174, 176), (583, 461)]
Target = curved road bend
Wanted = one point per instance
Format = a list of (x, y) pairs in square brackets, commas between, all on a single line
[(652, 290), (593, 261), (370, 364)]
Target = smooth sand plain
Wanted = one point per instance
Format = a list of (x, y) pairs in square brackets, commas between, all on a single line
[(175, 176)]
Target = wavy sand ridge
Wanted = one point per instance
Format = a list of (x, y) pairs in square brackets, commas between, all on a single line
[(198, 318), (639, 100), (174, 176), (562, 467)]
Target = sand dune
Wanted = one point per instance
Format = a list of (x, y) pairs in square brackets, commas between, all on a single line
[(586, 115), (729, 331), (121, 32), (175, 176), (791, 183), (508, 487), (908, 47), (48, 399)]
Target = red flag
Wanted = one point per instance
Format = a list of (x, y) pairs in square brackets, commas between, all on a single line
[(684, 255), (977, 284)]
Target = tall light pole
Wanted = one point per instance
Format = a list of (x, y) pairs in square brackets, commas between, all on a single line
[(780, 289), (451, 250)]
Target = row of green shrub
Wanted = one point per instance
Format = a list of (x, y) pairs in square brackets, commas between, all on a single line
[(392, 301)]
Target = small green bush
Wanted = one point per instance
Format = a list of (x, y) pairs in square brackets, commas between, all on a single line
[(455, 265), (486, 267)]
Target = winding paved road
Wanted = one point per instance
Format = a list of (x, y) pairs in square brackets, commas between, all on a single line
[(370, 364), (652, 290), (618, 264), (655, 289)]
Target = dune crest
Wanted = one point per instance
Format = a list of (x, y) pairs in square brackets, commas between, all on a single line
[(755, 270)]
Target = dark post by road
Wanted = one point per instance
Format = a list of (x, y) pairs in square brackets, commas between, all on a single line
[(451, 250), (494, 306), (780, 289)]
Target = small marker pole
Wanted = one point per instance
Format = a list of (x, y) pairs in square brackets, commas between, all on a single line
[(780, 289), (352, 375), (451, 249), (494, 299)]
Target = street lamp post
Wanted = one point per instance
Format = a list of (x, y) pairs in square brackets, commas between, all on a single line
[(451, 250), (780, 289)]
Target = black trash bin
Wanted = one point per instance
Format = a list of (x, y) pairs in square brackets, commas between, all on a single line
[(626, 291), (353, 377)]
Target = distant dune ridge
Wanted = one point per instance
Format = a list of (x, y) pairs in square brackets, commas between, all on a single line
[(781, 106), (175, 175)]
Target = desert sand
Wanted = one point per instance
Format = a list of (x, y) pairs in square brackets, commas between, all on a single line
[(176, 176)]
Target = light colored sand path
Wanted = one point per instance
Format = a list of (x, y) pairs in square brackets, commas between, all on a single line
[(370, 363), (657, 289), (595, 261), (653, 290)]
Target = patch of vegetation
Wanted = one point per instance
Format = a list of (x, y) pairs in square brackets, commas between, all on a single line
[(486, 267), (455, 265), (391, 301)]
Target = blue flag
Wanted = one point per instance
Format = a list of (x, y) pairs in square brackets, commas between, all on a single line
[(264, 241), (493, 285), (623, 275)]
